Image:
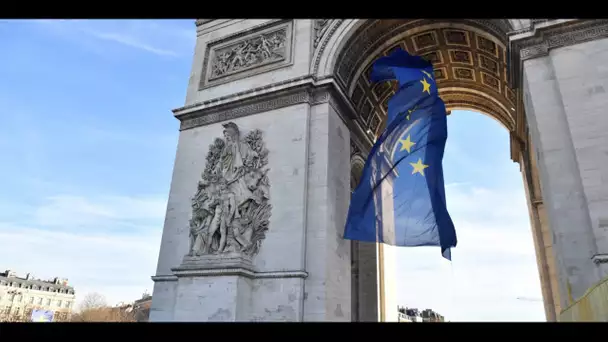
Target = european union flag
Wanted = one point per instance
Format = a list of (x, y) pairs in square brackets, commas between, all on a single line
[(400, 199), (42, 315)]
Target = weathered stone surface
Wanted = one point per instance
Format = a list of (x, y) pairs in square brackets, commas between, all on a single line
[(231, 207), (284, 84), (560, 179)]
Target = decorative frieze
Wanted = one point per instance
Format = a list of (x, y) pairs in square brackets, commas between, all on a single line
[(258, 50), (566, 34)]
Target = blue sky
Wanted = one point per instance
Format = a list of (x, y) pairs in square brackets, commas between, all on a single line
[(87, 144)]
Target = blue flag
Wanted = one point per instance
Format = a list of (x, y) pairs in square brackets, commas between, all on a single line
[(40, 315), (400, 199)]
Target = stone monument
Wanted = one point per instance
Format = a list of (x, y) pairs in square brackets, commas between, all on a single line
[(254, 222)]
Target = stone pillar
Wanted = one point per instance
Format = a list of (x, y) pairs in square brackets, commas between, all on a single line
[(365, 281), (302, 270), (541, 233), (284, 258), (364, 255), (582, 74), (328, 259), (573, 239), (563, 81)]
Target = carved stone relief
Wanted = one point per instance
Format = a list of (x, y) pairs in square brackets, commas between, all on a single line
[(259, 48), (231, 209), (263, 49)]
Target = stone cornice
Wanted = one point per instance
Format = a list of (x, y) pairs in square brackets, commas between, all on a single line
[(239, 272), (206, 115), (161, 278), (270, 97), (559, 33), (600, 259), (200, 22), (241, 96), (544, 35)]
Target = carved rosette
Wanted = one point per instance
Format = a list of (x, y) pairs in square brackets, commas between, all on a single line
[(231, 209)]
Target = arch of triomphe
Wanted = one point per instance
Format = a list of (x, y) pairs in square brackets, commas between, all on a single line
[(279, 115)]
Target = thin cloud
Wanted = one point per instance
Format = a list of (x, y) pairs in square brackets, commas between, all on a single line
[(107, 212), (73, 237), (493, 264), (166, 39), (132, 42)]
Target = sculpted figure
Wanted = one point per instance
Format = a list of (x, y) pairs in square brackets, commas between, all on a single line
[(230, 210), (266, 46), (239, 56), (223, 63)]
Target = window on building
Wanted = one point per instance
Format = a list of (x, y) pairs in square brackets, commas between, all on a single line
[(18, 298), (32, 300), (11, 297), (48, 302), (68, 304), (39, 301), (58, 303), (17, 311)]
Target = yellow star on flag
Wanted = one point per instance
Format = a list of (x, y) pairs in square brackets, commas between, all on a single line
[(418, 167), (406, 144), (426, 86)]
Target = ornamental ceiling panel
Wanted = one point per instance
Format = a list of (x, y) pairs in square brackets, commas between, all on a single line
[(468, 56)]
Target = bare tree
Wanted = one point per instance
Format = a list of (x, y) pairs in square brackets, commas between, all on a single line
[(93, 301), (7, 317), (94, 308)]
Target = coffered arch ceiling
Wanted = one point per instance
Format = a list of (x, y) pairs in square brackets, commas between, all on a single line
[(469, 59)]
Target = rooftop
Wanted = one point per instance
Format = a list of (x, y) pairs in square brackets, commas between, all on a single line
[(424, 314), (10, 278)]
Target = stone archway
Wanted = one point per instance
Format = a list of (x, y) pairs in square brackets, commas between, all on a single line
[(472, 68), (300, 87)]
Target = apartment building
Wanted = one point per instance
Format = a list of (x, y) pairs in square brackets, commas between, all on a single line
[(409, 315), (20, 295), (142, 308)]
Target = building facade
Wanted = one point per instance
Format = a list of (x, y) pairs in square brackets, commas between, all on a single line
[(291, 99), (20, 295), (141, 308), (409, 315)]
